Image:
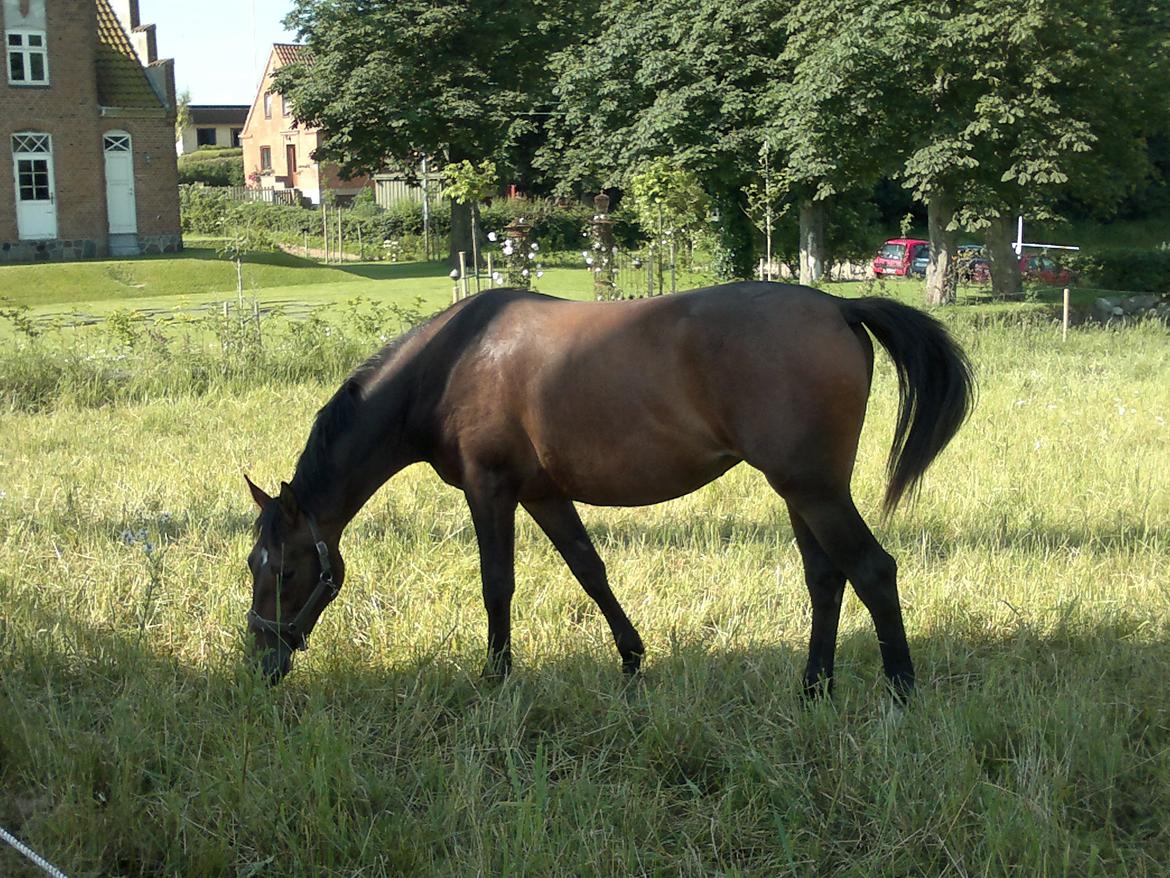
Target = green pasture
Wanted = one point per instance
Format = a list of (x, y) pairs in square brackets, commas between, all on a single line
[(134, 741)]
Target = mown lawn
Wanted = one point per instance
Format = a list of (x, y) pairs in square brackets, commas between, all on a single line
[(1033, 569)]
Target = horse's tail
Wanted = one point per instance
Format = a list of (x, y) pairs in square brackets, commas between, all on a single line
[(936, 389)]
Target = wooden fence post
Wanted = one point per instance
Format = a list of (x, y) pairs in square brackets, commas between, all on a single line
[(1064, 333)]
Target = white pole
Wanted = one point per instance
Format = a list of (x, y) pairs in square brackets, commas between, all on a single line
[(1065, 331), (1019, 245)]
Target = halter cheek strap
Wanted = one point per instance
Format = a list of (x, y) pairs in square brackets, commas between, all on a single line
[(295, 634)]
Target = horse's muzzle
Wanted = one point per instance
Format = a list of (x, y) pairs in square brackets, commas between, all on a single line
[(273, 655)]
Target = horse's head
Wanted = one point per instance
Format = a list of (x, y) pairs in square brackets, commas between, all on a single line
[(295, 574)]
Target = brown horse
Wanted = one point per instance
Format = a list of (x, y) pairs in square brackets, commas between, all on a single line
[(521, 399)]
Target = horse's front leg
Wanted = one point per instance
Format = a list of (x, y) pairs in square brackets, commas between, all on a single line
[(492, 501)]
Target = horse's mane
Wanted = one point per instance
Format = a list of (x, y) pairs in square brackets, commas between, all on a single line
[(460, 322), (340, 413)]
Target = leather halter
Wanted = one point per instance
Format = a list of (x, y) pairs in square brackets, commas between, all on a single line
[(295, 634)]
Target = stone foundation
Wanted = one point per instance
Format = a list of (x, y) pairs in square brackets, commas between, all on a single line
[(64, 250), (61, 250), (154, 244)]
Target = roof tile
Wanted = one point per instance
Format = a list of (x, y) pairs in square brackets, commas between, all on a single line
[(121, 81)]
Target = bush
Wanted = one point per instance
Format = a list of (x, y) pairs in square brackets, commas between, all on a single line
[(210, 211), (1126, 269), (213, 167)]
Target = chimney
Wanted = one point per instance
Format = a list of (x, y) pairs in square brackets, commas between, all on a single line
[(127, 12), (145, 44)]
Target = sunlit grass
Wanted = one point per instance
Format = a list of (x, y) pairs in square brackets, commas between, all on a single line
[(1033, 571)]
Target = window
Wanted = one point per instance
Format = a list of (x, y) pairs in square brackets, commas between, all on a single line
[(267, 105), (28, 62), (116, 143), (285, 107), (266, 158), (236, 132), (32, 166)]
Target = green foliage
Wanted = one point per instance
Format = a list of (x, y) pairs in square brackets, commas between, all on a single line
[(448, 78), (182, 112), (467, 183), (668, 199), (1128, 269), (212, 167)]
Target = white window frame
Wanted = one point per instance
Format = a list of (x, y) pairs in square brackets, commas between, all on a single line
[(26, 52)]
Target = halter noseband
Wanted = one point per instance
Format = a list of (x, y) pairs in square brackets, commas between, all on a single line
[(295, 634)]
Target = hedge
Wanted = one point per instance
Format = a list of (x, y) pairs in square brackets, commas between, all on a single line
[(209, 210), (1129, 269), (213, 167)]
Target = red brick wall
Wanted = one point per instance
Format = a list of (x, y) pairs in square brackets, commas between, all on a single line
[(68, 110), (156, 173)]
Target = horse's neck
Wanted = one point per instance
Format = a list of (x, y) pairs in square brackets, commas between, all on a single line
[(362, 458)]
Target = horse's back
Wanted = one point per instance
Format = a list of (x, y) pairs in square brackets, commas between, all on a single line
[(637, 401)]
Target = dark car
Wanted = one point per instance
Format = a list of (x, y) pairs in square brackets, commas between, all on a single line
[(967, 254)]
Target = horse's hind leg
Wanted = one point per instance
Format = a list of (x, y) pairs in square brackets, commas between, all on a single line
[(559, 520), (826, 587), (849, 544)]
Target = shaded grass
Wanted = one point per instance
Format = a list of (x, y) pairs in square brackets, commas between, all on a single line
[(1033, 573)]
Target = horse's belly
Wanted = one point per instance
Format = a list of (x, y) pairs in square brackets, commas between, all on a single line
[(634, 480)]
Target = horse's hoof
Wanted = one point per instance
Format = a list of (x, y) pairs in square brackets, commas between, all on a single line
[(902, 687), (497, 669), (818, 688), (632, 665)]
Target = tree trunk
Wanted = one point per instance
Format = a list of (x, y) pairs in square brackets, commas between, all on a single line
[(812, 241), (461, 235), (460, 232), (734, 257), (942, 275), (1005, 263)]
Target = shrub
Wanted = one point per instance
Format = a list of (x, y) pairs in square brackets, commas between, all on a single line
[(213, 167), (1128, 269)]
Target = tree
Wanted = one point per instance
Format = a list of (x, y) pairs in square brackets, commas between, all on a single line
[(1019, 118), (681, 80), (392, 82), (468, 185), (836, 108), (182, 113)]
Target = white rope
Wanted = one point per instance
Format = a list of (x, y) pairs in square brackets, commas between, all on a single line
[(48, 867)]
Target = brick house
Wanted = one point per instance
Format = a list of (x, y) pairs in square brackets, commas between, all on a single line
[(278, 150), (211, 125), (87, 116)]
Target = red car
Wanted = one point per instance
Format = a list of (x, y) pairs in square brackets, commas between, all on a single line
[(897, 256), (1033, 266)]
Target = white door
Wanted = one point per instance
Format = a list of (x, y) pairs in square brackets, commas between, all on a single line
[(32, 170), (120, 205)]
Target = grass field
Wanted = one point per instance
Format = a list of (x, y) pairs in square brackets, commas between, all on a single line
[(1033, 569)]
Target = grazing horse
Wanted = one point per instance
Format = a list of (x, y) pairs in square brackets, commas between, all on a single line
[(522, 399)]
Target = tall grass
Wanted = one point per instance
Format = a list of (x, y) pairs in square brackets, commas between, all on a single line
[(1033, 569)]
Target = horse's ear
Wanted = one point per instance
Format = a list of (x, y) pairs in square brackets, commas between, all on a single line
[(258, 494), (288, 501)]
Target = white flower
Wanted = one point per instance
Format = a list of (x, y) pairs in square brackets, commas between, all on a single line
[(535, 246), (588, 260), (524, 273), (497, 277), (538, 274), (492, 237)]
